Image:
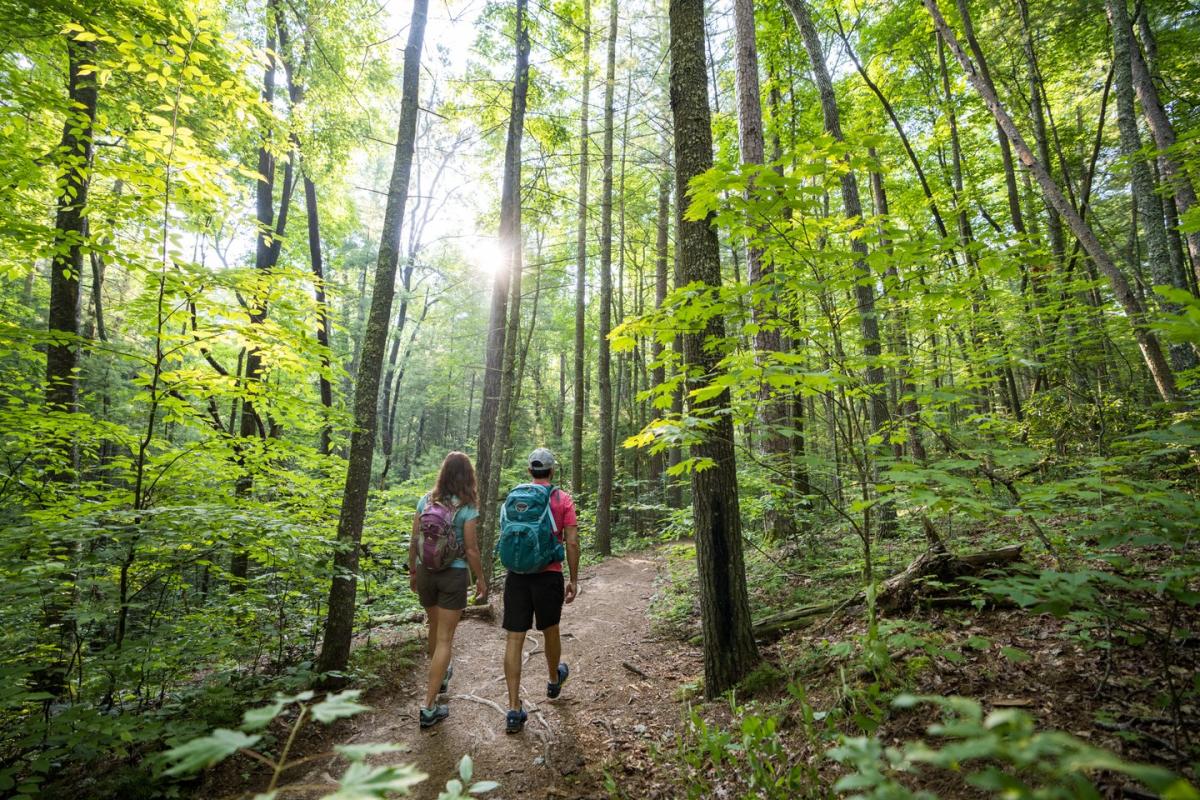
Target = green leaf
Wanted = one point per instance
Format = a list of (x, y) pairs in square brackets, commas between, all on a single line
[(364, 782), (466, 768), (358, 752), (337, 706), (486, 786), (208, 750), (257, 718)]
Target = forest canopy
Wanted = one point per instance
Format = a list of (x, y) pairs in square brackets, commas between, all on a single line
[(894, 305)]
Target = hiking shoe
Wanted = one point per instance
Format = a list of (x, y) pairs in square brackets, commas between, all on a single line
[(516, 721), (432, 716), (446, 678), (552, 689)]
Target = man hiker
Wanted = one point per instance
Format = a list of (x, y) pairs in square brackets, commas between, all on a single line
[(537, 528)]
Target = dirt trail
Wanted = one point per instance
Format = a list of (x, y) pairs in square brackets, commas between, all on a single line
[(605, 718)]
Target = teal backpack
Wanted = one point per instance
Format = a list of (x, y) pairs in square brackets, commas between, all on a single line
[(527, 540)]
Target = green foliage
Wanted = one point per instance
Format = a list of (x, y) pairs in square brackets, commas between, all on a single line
[(359, 781), (1001, 752)]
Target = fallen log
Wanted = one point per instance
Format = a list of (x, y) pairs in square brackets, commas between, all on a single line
[(897, 593)]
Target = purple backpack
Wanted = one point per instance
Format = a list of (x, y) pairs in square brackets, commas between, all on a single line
[(439, 543)]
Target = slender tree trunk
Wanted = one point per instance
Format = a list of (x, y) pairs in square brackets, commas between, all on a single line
[(1145, 190), (772, 408), (339, 625), (603, 378), (1053, 218), (864, 290), (729, 649), (1156, 363), (658, 375), (580, 394), (323, 322), (1164, 135), (488, 464), (74, 167)]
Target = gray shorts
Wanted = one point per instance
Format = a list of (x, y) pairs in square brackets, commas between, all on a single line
[(446, 589)]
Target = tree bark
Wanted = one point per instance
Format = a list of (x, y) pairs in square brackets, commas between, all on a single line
[(488, 464), (323, 322), (580, 395), (604, 496), (1164, 139), (658, 375), (864, 291), (729, 649), (74, 158), (339, 625), (773, 409), (1156, 363)]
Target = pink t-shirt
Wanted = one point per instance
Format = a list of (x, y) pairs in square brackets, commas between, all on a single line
[(562, 508)]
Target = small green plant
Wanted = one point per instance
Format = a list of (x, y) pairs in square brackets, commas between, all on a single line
[(360, 780), (1001, 752), (461, 787)]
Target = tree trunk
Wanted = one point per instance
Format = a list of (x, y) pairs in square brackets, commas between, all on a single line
[(1054, 219), (772, 408), (864, 291), (580, 395), (339, 626), (729, 650), (1145, 192), (604, 496), (74, 167), (658, 376), (1164, 136), (323, 322), (488, 466), (1156, 364)]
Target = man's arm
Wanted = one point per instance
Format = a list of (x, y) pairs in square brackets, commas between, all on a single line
[(572, 537)]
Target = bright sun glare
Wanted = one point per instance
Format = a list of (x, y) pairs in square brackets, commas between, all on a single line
[(485, 254)]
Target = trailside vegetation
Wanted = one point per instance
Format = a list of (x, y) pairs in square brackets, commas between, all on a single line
[(878, 324)]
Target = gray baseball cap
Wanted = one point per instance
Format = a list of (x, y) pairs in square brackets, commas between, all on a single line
[(542, 458)]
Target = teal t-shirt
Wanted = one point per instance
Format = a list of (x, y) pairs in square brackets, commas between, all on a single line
[(461, 517)]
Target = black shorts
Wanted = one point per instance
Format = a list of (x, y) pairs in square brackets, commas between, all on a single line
[(538, 594)]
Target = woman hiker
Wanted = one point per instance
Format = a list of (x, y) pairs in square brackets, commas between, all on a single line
[(444, 542)]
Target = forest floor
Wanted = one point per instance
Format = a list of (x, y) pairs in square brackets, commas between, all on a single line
[(619, 703)]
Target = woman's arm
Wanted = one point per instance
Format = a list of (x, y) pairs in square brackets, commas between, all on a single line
[(471, 543), (412, 552)]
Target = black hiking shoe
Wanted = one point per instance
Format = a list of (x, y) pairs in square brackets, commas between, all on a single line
[(515, 723), (446, 678), (432, 716), (552, 689)]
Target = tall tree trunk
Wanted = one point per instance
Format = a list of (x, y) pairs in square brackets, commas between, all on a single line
[(729, 649), (1053, 217), (658, 376), (1145, 191), (1164, 134), (339, 625), (1156, 363), (323, 321), (604, 496), (580, 395), (268, 242), (772, 408), (74, 167), (488, 464), (864, 291)]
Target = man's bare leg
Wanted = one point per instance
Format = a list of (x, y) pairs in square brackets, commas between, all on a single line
[(513, 652), (553, 647)]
